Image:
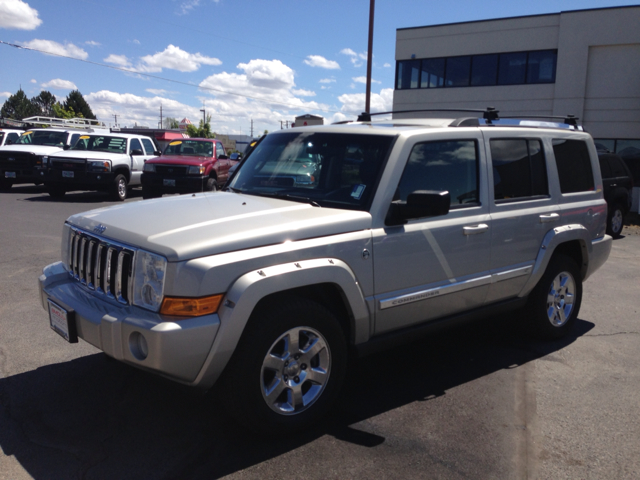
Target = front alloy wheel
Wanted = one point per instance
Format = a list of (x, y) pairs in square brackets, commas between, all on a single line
[(295, 370)]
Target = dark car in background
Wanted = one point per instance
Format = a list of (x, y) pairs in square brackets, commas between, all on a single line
[(617, 183)]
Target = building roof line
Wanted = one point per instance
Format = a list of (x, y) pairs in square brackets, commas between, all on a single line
[(518, 17)]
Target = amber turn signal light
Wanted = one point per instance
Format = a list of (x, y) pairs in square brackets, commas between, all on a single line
[(190, 307)]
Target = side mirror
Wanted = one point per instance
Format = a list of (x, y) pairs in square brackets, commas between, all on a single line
[(157, 153), (419, 204), (223, 157), (66, 147), (136, 151)]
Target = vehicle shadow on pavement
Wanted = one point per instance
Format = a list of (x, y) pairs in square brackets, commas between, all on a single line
[(96, 418)]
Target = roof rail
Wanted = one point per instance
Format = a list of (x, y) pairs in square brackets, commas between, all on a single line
[(489, 114), (567, 119), (82, 123)]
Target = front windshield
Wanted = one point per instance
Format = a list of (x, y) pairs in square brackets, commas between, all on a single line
[(43, 138), (328, 169), (101, 143), (199, 148)]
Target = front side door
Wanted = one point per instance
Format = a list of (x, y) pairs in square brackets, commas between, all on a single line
[(137, 160), (435, 267)]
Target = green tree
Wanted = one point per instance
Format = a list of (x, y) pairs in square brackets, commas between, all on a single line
[(171, 123), (43, 104), (78, 104), (60, 112), (17, 107), (202, 131)]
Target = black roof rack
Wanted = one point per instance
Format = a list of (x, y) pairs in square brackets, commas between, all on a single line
[(489, 114)]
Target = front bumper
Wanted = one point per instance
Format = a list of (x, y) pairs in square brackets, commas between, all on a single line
[(23, 174), (179, 184), (177, 348), (81, 179)]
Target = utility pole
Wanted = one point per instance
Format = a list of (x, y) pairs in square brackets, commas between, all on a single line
[(369, 57), (160, 115), (204, 120), (116, 119), (252, 128)]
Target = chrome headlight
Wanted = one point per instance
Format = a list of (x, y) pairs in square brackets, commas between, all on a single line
[(148, 280), (98, 165), (149, 167), (196, 170)]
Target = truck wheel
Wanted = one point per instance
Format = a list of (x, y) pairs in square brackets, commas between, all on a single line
[(212, 185), (119, 188), (5, 184), (56, 191), (554, 303), (288, 367), (615, 221), (149, 192)]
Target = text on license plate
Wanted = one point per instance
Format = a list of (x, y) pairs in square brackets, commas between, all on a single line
[(168, 182)]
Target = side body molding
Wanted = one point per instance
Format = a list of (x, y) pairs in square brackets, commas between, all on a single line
[(250, 288), (552, 239)]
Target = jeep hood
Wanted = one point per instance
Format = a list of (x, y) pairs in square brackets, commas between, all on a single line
[(191, 226)]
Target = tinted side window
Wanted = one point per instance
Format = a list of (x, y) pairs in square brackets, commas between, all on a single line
[(74, 139), (605, 170), (12, 137), (442, 166), (519, 170), (574, 165), (135, 145), (219, 150), (148, 146), (617, 169)]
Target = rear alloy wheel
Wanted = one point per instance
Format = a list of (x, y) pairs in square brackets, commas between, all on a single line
[(615, 221), (212, 185), (119, 188), (288, 367), (554, 303)]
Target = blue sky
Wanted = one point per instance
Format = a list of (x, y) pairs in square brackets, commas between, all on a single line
[(241, 60)]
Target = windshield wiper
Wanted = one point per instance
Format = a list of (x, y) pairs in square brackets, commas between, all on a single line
[(285, 196)]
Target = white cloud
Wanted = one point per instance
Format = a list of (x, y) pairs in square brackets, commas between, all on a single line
[(136, 41), (187, 5), (67, 50), (92, 43), (33, 80), (363, 79), (328, 80), (120, 60), (59, 84), (357, 59), (159, 91), (18, 15), (321, 62), (5, 94), (354, 103), (176, 59), (304, 93), (387, 65)]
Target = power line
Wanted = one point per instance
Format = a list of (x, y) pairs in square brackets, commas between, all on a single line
[(127, 70)]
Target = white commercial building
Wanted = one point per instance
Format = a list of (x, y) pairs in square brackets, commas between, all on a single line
[(584, 62)]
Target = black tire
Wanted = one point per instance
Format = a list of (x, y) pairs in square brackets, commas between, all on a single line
[(615, 221), (554, 304), (56, 191), (266, 360), (149, 192), (119, 188), (5, 184), (212, 185)]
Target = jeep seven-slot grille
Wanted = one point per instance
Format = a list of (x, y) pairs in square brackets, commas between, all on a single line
[(102, 266)]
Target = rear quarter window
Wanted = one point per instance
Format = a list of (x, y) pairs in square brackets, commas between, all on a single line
[(574, 165)]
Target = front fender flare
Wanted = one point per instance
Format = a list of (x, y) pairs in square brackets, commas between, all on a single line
[(245, 293)]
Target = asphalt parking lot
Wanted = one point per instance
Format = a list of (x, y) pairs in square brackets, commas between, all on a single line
[(478, 402)]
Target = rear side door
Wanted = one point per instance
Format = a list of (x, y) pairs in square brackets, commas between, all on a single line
[(439, 266), (522, 208)]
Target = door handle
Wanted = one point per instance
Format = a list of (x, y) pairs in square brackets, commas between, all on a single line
[(476, 229), (552, 217)]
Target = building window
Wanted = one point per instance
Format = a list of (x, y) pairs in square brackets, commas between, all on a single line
[(514, 68), (484, 70), (432, 73), (519, 170)]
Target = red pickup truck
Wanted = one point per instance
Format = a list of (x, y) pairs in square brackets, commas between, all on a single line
[(187, 166)]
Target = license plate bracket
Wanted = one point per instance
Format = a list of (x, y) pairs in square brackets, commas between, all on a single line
[(9, 174), (169, 182), (67, 174), (62, 320)]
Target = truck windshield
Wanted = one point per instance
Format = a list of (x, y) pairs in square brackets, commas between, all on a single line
[(101, 143), (327, 169), (43, 138), (190, 147)]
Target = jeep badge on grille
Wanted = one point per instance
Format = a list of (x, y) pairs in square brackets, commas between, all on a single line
[(99, 228)]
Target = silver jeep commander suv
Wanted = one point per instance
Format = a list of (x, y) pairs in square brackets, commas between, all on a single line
[(331, 239)]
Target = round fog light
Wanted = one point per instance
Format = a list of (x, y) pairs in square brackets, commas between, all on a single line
[(138, 346)]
